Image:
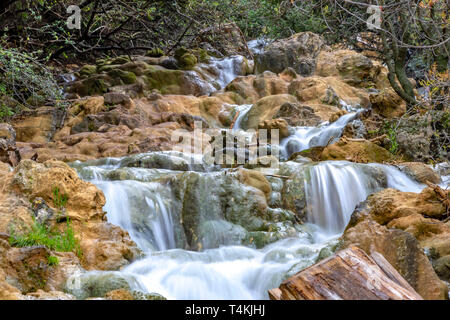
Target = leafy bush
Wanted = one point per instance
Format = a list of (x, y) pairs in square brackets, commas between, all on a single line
[(41, 235), (24, 83)]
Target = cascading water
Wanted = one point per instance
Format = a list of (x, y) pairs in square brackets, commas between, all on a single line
[(243, 110), (223, 71), (336, 187), (308, 137), (140, 201)]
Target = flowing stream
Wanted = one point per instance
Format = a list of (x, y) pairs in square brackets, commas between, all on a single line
[(153, 201)]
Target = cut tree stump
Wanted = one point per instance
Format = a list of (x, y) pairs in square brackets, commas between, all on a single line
[(349, 274)]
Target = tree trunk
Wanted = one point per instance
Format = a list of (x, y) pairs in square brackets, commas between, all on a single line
[(349, 274)]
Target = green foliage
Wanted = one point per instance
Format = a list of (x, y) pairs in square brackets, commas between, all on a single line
[(59, 200), (52, 260), (24, 82), (392, 136), (41, 235)]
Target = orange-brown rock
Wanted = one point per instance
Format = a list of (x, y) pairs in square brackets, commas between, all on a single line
[(387, 103), (104, 246), (356, 151), (265, 109), (276, 124), (349, 274), (329, 91), (252, 88), (419, 171), (400, 225), (119, 294)]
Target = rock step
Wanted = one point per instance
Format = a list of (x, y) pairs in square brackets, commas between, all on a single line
[(349, 274)]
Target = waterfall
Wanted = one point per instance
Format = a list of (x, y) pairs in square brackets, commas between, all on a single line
[(243, 111), (335, 188), (308, 137), (222, 71), (143, 209)]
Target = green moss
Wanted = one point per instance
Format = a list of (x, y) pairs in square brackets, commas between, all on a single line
[(52, 260), (166, 81), (124, 76), (155, 52), (119, 60), (187, 61), (87, 70)]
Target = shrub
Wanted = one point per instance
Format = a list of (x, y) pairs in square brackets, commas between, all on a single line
[(24, 83)]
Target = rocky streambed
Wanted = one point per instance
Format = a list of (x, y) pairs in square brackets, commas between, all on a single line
[(152, 221)]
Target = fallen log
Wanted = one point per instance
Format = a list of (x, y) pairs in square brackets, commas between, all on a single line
[(349, 274)]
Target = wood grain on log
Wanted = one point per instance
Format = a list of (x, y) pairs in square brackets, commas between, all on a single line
[(349, 274)]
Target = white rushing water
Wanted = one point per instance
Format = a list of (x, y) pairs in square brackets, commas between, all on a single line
[(141, 198), (145, 207), (222, 71), (336, 187), (308, 137), (243, 110)]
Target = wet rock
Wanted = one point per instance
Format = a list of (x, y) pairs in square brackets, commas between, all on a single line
[(420, 172), (8, 150), (298, 115), (276, 124), (402, 251), (356, 151), (299, 52), (96, 284), (265, 109)]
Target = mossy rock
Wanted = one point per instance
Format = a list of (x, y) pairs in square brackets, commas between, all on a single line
[(165, 80), (155, 53), (124, 77), (201, 54), (96, 85), (87, 70), (179, 52), (96, 284), (119, 60), (107, 68), (187, 61)]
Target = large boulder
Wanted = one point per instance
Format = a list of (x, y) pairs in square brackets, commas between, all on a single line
[(328, 90), (298, 115), (35, 190), (419, 171), (265, 109), (352, 67), (402, 251), (299, 52), (388, 103), (252, 88), (403, 226), (356, 151)]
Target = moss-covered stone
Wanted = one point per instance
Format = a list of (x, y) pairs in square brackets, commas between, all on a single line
[(87, 70), (122, 77), (187, 61), (155, 53)]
